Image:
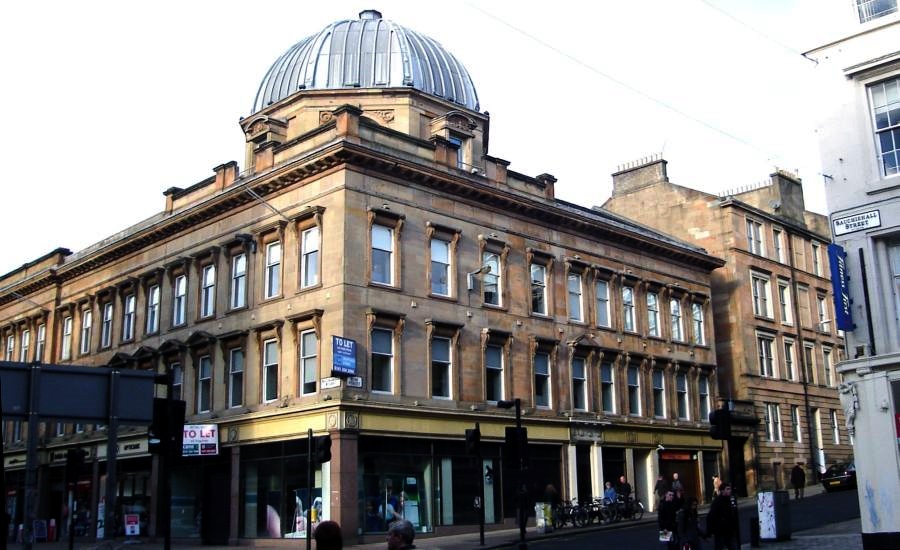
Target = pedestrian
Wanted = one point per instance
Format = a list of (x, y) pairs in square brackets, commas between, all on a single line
[(798, 479), (660, 489), (722, 521), (676, 483), (688, 523), (717, 485), (551, 495), (624, 488), (609, 494), (679, 499), (665, 519), (401, 535), (328, 536)]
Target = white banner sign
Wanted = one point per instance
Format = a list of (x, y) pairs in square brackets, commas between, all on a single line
[(857, 222), (200, 440)]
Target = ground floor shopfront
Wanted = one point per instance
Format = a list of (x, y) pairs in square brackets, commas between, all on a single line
[(386, 463)]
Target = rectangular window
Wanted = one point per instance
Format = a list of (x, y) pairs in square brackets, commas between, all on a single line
[(179, 302), (106, 327), (493, 363), (87, 319), (459, 150), (11, 346), (699, 324), (177, 381), (128, 318), (634, 392), (628, 308), (602, 289), (835, 428), (239, 281), (235, 377), (574, 291), (607, 388), (204, 384), (885, 98), (273, 270), (803, 301), (827, 367), (816, 259), (382, 359), (822, 310), (153, 309), (309, 363), (773, 422), (66, 341), (492, 279), (25, 344), (382, 255), (681, 390), (208, 291), (795, 423), (659, 394), (542, 379), (270, 370), (873, 9), (754, 237), (789, 372), (761, 293), (41, 342), (675, 313), (809, 356), (539, 289), (440, 267), (653, 314), (309, 257), (703, 393), (766, 358), (440, 367), (579, 384), (778, 242), (784, 300)]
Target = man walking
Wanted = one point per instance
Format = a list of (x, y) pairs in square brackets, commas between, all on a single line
[(798, 480), (660, 489), (723, 521)]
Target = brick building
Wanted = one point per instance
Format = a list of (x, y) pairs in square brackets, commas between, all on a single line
[(370, 210), (773, 310)]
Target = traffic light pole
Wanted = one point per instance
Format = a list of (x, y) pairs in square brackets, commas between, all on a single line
[(166, 459), (480, 463), (521, 478)]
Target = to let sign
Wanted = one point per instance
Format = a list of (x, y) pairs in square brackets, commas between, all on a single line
[(200, 440), (344, 357)]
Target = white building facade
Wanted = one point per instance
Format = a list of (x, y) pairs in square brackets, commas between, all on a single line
[(859, 138)]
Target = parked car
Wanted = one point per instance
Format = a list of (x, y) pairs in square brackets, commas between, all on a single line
[(839, 476)]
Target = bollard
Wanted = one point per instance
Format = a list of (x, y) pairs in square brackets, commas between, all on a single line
[(754, 532)]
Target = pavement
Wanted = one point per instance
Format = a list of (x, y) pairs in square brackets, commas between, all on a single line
[(834, 536)]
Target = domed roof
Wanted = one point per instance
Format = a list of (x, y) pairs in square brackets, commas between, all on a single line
[(370, 52)]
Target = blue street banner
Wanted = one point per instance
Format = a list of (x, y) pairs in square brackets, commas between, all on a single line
[(837, 259), (344, 357)]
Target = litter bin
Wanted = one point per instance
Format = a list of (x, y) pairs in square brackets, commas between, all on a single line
[(543, 517), (774, 515)]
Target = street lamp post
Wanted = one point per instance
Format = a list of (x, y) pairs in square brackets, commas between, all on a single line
[(521, 443)]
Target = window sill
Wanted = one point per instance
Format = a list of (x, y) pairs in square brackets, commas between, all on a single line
[(498, 307), (384, 286), (309, 288), (271, 298), (237, 310), (443, 297), (209, 317)]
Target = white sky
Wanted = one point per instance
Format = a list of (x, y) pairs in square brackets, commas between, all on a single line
[(107, 103)]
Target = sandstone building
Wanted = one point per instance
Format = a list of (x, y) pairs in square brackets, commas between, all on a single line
[(370, 210), (773, 310)]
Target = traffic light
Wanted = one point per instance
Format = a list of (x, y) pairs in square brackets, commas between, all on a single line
[(74, 464), (720, 424), (515, 448), (323, 448), (473, 440), (166, 437)]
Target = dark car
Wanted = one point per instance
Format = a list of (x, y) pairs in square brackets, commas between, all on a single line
[(839, 476)]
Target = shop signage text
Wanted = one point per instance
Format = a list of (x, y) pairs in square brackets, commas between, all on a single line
[(837, 259), (857, 222), (343, 357), (200, 440)]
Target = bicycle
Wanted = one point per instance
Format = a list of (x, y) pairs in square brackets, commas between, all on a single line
[(569, 512), (632, 508)]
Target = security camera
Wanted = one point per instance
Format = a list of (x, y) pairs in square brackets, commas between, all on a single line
[(659, 447)]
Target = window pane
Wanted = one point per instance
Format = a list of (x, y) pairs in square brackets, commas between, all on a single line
[(382, 238), (382, 341)]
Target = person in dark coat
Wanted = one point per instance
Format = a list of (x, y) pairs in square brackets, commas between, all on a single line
[(722, 521), (665, 519), (624, 488), (660, 489), (688, 522), (798, 480)]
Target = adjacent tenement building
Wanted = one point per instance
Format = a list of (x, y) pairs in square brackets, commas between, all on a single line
[(773, 310), (370, 228), (859, 142)]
